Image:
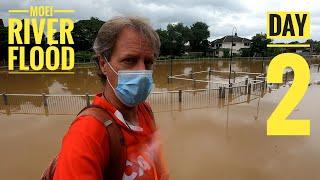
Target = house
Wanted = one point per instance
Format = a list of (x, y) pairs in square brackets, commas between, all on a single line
[(303, 51), (223, 45)]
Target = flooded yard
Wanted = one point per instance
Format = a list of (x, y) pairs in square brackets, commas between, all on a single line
[(206, 142)]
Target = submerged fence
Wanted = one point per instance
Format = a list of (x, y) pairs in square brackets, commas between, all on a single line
[(160, 101), (215, 95)]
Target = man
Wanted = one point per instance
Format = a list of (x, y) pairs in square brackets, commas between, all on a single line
[(126, 49)]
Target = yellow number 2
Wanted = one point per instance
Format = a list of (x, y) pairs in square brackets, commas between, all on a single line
[(278, 124)]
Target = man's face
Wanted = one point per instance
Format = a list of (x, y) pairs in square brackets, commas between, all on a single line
[(131, 52)]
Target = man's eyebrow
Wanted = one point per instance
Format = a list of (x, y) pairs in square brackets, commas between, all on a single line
[(129, 55)]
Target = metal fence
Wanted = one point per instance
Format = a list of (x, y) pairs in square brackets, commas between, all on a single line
[(160, 101), (185, 60), (216, 95)]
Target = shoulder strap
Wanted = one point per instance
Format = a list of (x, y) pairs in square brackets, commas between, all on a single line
[(117, 158), (118, 151)]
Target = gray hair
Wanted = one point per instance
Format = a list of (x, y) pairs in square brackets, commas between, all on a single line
[(109, 31)]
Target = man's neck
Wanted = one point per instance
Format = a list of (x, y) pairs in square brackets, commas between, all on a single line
[(129, 113)]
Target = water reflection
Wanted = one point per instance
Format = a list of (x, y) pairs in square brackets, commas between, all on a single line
[(193, 95), (208, 139), (85, 80)]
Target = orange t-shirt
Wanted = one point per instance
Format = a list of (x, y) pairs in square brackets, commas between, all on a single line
[(85, 148)]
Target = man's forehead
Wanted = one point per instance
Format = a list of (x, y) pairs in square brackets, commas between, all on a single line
[(131, 39)]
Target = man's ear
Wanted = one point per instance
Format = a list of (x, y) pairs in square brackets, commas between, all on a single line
[(103, 65)]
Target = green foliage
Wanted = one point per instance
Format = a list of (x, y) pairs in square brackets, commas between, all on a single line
[(83, 56), (245, 52), (199, 35), (259, 45), (175, 38), (226, 53), (84, 33), (315, 45), (3, 44)]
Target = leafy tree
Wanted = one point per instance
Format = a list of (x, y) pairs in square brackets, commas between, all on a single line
[(199, 34), (84, 33), (165, 42), (259, 45), (3, 44), (174, 38), (315, 45), (226, 53), (246, 52)]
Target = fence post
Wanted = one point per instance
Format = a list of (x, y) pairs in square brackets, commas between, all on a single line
[(45, 103), (222, 92), (230, 92), (209, 73), (246, 83), (265, 83), (234, 76), (87, 99), (262, 87), (194, 83), (286, 78), (180, 96), (230, 88), (249, 93), (5, 98), (318, 67)]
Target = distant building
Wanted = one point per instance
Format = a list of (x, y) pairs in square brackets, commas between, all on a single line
[(222, 45), (299, 50)]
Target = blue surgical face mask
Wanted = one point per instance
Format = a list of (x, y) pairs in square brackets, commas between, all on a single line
[(133, 87)]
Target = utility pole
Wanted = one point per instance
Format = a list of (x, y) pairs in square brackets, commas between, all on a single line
[(234, 30)]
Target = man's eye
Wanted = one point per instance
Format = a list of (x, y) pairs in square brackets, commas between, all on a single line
[(129, 61)]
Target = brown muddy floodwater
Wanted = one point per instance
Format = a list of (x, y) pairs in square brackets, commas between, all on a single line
[(226, 143)]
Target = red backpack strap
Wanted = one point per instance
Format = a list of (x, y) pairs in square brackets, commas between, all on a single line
[(118, 151), (48, 173), (117, 158)]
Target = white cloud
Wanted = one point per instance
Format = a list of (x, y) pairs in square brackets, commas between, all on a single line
[(249, 16)]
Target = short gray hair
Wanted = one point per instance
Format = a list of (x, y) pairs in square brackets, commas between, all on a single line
[(108, 34), (109, 31)]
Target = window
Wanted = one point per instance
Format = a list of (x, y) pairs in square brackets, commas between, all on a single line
[(233, 44)]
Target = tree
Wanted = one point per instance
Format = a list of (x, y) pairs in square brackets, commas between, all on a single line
[(226, 53), (315, 45), (173, 39), (84, 33), (246, 52), (3, 44), (165, 42), (259, 45), (199, 34)]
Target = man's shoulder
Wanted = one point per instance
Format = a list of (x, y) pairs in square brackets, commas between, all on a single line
[(88, 126)]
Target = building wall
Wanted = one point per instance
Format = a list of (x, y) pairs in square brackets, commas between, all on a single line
[(236, 48)]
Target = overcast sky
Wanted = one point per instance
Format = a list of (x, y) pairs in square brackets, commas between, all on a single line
[(249, 16)]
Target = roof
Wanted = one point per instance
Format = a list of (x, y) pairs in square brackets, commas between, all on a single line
[(235, 38)]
